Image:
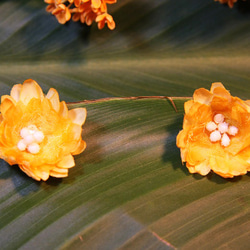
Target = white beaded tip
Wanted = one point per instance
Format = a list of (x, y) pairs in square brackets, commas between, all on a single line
[(223, 127), (232, 130), (24, 132), (225, 140), (33, 148), (220, 130), (211, 126), (21, 145), (219, 118), (31, 137), (39, 136), (215, 136)]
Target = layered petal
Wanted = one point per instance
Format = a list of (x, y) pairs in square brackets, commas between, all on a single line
[(7, 102), (53, 96), (78, 115), (30, 89)]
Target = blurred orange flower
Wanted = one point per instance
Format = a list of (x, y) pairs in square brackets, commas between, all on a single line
[(229, 2), (85, 11), (105, 18), (215, 133), (62, 13), (38, 132)]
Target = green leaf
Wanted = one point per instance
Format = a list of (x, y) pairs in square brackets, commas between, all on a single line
[(129, 189)]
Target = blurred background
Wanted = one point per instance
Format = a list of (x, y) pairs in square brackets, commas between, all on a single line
[(159, 47)]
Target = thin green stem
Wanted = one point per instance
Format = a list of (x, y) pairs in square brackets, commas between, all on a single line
[(170, 98)]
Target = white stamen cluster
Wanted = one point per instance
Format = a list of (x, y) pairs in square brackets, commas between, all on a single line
[(221, 130), (31, 137)]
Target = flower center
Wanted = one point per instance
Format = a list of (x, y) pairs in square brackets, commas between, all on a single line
[(221, 130), (31, 138)]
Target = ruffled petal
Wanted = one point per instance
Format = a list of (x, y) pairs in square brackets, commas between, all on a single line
[(181, 139), (7, 102), (222, 99), (203, 168), (59, 172), (216, 85), (111, 25), (15, 92), (66, 162), (78, 115), (96, 3), (29, 172), (110, 1), (43, 175), (228, 167), (79, 148), (30, 89), (203, 96), (76, 132), (188, 105), (77, 2), (54, 99), (63, 110), (197, 154)]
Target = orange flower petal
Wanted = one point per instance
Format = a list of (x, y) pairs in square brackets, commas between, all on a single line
[(188, 105), (57, 174), (6, 103), (76, 131), (216, 85), (29, 172), (100, 17), (78, 115), (228, 167), (203, 168), (61, 171), (15, 92), (79, 148), (96, 3), (49, 1), (53, 96), (110, 1), (181, 139), (43, 175), (30, 89), (66, 162), (111, 25), (63, 110), (203, 96), (77, 2)]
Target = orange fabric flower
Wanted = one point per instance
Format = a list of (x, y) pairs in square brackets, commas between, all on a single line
[(85, 14), (38, 132), (52, 4), (62, 13), (105, 18), (215, 133), (229, 2), (86, 11)]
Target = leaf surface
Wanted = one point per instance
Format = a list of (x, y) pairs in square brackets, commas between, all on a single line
[(128, 189)]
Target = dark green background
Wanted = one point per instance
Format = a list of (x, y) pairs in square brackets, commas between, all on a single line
[(129, 189)]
